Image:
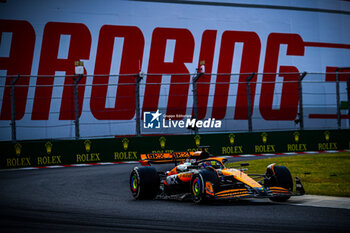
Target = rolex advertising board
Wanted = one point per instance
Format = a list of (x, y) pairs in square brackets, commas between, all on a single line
[(92, 151)]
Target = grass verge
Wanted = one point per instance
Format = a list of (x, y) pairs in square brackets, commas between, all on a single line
[(321, 174)]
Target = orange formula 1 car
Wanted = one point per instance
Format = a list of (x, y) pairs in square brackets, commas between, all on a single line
[(204, 178)]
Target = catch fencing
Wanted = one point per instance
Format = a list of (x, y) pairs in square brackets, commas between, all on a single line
[(91, 106)]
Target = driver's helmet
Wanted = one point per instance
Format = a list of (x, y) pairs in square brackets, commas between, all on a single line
[(207, 164)]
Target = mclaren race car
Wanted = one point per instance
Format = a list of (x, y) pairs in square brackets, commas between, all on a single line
[(202, 178)]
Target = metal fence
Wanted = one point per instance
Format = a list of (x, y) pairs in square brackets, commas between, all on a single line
[(112, 105)]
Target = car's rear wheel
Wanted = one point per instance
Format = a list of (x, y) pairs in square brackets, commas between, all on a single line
[(144, 182), (279, 176)]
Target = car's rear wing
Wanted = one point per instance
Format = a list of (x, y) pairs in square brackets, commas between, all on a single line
[(171, 157)]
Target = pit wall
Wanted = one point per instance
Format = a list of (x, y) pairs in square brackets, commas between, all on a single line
[(63, 152)]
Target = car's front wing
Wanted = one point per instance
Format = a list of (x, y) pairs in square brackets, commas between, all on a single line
[(270, 192)]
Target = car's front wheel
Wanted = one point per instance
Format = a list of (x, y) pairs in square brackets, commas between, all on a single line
[(279, 176), (203, 186)]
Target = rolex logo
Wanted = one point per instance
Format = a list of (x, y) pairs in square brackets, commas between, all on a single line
[(87, 144), (18, 148), (48, 147), (327, 135), (296, 136), (162, 141), (264, 137), (125, 142), (197, 140), (231, 136)]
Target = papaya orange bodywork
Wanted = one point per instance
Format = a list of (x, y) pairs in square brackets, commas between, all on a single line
[(185, 177), (241, 176)]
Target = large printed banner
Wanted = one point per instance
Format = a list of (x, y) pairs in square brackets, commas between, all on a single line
[(45, 38), (51, 153)]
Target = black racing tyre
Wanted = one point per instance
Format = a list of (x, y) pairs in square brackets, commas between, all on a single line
[(144, 183), (198, 186), (280, 177)]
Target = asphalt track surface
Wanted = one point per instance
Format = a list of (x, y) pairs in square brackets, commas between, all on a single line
[(98, 199)]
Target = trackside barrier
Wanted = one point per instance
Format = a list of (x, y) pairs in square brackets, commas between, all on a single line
[(86, 151), (301, 111), (337, 80)]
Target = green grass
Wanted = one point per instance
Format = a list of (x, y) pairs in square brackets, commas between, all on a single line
[(321, 174)]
